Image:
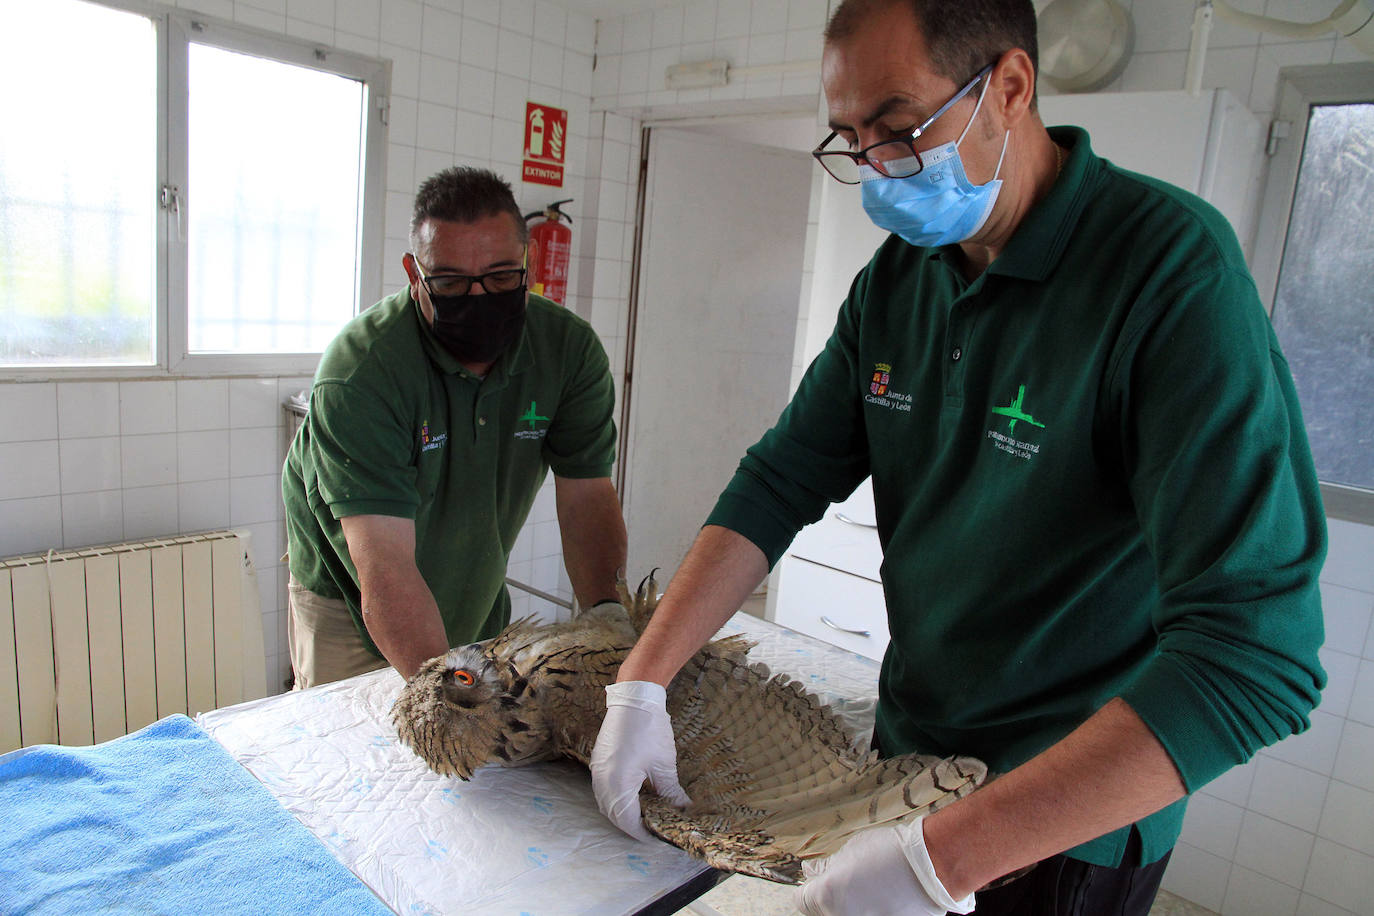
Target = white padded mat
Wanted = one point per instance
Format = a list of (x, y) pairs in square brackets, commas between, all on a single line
[(510, 841)]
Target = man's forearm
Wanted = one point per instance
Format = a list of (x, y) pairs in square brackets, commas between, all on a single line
[(403, 620), (1109, 772), (592, 530), (717, 575)]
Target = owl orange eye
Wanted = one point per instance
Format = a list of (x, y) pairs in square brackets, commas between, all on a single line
[(463, 677)]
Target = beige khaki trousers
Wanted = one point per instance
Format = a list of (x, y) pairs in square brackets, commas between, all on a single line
[(325, 645)]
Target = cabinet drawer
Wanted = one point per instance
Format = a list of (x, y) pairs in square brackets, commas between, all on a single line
[(842, 609), (846, 538)]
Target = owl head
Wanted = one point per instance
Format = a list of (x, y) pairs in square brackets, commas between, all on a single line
[(468, 707)]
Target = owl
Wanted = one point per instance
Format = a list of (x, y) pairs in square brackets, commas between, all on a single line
[(771, 771)]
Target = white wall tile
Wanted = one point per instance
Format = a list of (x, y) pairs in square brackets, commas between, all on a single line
[(1314, 906), (479, 44), (1341, 671), (1362, 701), (666, 27), (1314, 749), (150, 511), (87, 409), (1350, 555), (440, 31), (310, 31), (253, 402), (266, 20), (89, 519), (202, 404), (439, 79), (767, 16), (732, 20), (434, 130), (361, 17), (1348, 817), (1212, 825), (1250, 893), (1197, 875), (1355, 759), (581, 32), (518, 16), (89, 464), (256, 451), (29, 525), (147, 407), (28, 412), (203, 455), (31, 469), (401, 25), (1347, 614), (317, 11), (513, 53), (202, 505), (1288, 793), (1274, 849), (550, 22), (254, 499), (1340, 875), (488, 11), (149, 461)]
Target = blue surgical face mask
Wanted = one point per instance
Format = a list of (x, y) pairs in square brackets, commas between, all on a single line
[(936, 206)]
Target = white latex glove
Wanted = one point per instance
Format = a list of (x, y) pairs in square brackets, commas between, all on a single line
[(635, 743), (883, 871)]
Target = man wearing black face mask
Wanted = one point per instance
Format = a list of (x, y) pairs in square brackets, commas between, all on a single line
[(434, 418)]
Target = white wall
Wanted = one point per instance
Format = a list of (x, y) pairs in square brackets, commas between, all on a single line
[(1292, 832)]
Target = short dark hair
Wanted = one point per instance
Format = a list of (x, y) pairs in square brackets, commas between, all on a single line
[(962, 36), (463, 194)]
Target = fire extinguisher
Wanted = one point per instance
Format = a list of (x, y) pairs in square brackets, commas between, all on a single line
[(550, 252)]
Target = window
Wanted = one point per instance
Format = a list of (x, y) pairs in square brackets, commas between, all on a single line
[(1320, 194), (181, 195)]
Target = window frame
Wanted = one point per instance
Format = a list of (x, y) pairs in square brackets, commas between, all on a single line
[(1300, 88), (176, 30)]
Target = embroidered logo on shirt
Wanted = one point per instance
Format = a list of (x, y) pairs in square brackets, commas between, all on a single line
[(880, 379), (531, 417), (1015, 414), (430, 441), (880, 393)]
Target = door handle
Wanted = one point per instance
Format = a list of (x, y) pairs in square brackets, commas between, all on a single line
[(849, 521), (835, 626)]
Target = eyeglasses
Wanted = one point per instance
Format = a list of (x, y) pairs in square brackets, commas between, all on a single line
[(496, 281), (897, 158)]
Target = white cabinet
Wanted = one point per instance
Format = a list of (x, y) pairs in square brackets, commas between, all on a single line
[(828, 584)]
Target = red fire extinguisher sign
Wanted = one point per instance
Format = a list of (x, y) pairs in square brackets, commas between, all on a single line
[(546, 144)]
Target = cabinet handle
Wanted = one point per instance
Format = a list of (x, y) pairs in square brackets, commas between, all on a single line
[(835, 626), (849, 521)]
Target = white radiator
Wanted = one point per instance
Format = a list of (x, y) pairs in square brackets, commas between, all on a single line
[(99, 642)]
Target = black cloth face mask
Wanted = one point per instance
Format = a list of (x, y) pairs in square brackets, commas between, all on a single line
[(479, 328)]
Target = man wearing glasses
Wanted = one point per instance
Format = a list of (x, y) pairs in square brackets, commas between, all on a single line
[(434, 417), (1100, 522)]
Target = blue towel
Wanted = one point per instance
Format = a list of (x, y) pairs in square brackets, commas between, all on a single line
[(159, 821)]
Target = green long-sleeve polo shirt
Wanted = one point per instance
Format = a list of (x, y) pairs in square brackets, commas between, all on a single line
[(398, 427), (1091, 480)]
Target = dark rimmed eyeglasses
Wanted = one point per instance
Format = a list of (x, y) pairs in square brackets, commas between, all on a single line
[(897, 158), (496, 281)]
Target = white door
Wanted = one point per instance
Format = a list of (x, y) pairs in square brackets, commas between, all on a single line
[(724, 234)]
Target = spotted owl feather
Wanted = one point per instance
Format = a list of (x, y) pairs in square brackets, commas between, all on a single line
[(771, 771)]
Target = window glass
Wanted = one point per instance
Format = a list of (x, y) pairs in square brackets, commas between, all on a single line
[(1324, 302), (272, 243), (78, 179)]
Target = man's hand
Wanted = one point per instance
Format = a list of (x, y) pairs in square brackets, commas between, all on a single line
[(635, 743), (884, 871)]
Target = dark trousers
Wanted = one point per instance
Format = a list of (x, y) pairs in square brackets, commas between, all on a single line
[(1067, 887)]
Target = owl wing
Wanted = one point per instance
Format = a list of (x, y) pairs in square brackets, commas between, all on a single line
[(772, 774)]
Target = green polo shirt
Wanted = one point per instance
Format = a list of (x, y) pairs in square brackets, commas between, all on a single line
[(1091, 479), (397, 427)]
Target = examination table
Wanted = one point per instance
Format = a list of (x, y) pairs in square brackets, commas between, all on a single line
[(166, 820)]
